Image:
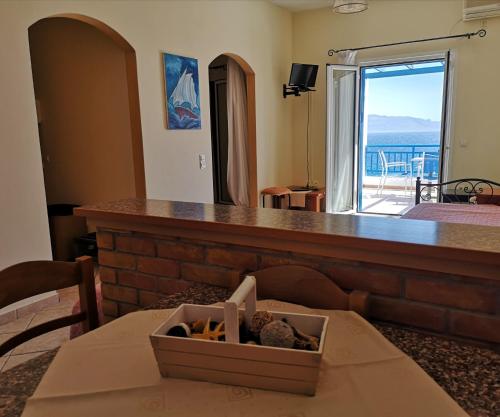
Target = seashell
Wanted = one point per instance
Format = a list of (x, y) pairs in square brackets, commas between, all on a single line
[(197, 326), (179, 330), (277, 334), (259, 320), (305, 341), (301, 344)]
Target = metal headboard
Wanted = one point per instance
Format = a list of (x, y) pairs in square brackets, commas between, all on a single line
[(464, 190)]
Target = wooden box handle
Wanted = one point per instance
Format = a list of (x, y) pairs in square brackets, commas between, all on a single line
[(247, 292)]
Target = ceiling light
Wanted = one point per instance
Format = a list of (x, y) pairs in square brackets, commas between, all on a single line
[(350, 6)]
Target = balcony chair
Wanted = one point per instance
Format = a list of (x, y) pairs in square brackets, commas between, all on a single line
[(420, 163), (385, 171), (27, 279)]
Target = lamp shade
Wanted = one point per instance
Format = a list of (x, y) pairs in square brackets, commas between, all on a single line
[(350, 6)]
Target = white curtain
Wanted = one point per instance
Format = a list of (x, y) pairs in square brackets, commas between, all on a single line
[(348, 57), (343, 137), (237, 154)]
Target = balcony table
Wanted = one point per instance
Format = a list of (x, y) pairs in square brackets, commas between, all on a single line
[(112, 371)]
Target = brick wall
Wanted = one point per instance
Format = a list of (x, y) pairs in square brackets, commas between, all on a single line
[(137, 268)]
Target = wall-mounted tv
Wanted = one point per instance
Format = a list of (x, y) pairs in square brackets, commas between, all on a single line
[(303, 76)]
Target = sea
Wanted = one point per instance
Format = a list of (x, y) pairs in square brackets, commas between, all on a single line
[(403, 139), (403, 146)]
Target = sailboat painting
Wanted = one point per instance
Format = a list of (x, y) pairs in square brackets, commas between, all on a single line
[(182, 88)]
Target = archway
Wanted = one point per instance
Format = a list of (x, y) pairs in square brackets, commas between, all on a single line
[(86, 89), (219, 62)]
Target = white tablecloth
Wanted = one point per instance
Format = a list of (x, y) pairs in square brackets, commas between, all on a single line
[(112, 372)]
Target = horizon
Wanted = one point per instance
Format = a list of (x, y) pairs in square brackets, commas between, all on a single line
[(404, 116)]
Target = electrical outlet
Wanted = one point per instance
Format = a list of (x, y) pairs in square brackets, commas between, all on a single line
[(203, 161)]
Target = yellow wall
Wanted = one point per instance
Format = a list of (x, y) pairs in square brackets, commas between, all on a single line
[(256, 30), (81, 86), (475, 134)]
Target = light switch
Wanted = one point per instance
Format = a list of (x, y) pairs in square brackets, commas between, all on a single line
[(203, 161)]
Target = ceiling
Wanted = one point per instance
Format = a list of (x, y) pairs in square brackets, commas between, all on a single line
[(297, 5)]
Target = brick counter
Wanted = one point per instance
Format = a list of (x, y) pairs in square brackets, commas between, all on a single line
[(141, 262)]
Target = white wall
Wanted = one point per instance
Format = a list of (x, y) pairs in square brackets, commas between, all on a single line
[(475, 134), (256, 30)]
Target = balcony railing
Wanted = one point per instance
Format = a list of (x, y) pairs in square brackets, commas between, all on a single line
[(403, 153)]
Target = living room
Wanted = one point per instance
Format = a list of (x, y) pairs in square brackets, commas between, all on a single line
[(70, 140)]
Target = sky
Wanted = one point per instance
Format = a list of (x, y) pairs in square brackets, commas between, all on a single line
[(411, 95)]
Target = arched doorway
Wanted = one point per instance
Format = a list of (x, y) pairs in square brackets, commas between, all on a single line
[(86, 90), (218, 110)]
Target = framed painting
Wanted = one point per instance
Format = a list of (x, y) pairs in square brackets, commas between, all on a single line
[(182, 88)]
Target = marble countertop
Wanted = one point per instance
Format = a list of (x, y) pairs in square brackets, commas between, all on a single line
[(467, 373), (301, 224), (468, 250)]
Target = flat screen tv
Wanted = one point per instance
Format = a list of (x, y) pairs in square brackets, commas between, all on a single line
[(303, 76)]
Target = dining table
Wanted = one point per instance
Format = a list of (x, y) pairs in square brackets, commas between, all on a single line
[(113, 371)]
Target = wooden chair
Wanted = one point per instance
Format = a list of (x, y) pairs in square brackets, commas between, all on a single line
[(308, 287), (27, 279)]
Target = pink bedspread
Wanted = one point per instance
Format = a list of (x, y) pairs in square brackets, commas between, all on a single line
[(485, 215)]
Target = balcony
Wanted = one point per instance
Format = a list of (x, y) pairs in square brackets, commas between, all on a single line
[(394, 192)]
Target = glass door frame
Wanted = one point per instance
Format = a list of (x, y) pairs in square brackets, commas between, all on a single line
[(329, 132), (446, 114)]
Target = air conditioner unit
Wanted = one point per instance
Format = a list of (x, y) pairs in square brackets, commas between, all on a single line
[(481, 9)]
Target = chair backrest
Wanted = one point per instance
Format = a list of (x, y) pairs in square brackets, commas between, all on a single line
[(27, 279), (383, 159), (308, 287), (421, 165)]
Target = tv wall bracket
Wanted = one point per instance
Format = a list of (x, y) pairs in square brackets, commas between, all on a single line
[(288, 91), (294, 90)]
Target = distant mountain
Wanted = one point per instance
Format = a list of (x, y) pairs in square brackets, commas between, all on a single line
[(377, 123)]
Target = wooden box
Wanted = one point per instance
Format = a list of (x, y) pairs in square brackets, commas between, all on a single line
[(232, 363)]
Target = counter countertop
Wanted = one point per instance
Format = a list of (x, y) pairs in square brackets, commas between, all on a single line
[(300, 225)]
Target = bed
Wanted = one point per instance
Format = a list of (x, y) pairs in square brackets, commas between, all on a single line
[(467, 201), (485, 214)]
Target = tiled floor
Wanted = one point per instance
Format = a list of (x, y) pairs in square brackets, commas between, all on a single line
[(390, 201), (397, 197), (40, 344)]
